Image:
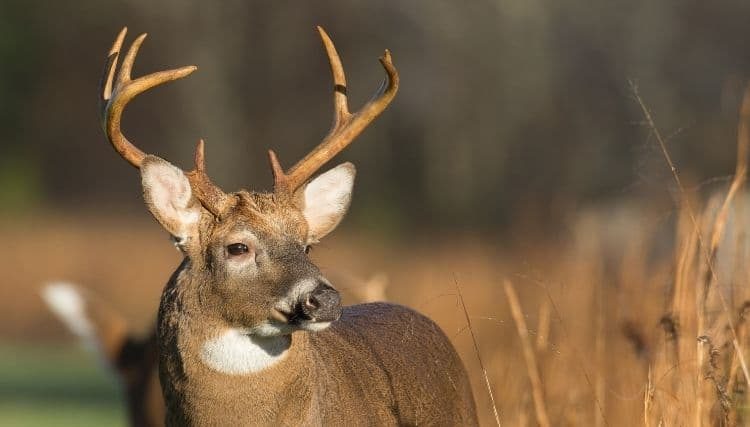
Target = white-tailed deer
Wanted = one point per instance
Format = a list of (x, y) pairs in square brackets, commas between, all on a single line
[(132, 357), (105, 332), (249, 330)]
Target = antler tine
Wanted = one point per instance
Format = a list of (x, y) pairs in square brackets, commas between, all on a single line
[(209, 194), (200, 156), (340, 103), (346, 126), (115, 97), (109, 71)]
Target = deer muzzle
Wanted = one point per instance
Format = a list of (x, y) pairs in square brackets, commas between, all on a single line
[(323, 304), (312, 309)]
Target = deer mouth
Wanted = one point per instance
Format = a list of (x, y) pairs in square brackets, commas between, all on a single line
[(280, 316), (311, 305), (303, 317)]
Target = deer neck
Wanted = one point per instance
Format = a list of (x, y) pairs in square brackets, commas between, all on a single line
[(234, 351), (204, 361)]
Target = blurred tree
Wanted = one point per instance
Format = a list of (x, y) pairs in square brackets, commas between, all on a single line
[(505, 106)]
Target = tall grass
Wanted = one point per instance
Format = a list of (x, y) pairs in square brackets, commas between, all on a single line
[(709, 319), (647, 333), (636, 314)]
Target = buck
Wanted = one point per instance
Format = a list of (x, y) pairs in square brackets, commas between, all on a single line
[(104, 331), (250, 332)]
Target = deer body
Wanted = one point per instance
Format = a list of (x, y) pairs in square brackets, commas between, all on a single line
[(250, 331), (366, 368), (377, 361)]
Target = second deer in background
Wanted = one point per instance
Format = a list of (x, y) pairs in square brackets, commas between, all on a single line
[(104, 331)]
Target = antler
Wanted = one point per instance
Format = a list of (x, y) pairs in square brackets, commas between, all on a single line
[(346, 126), (209, 194), (114, 98)]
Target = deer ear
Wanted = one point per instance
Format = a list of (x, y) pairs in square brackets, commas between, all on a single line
[(326, 200), (169, 197)]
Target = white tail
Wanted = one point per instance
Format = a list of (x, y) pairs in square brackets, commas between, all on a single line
[(67, 303)]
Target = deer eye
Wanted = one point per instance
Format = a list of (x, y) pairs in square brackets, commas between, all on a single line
[(308, 248), (237, 249)]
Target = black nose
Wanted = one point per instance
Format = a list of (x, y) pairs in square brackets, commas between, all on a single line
[(323, 304)]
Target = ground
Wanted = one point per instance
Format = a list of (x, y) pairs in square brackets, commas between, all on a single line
[(57, 386)]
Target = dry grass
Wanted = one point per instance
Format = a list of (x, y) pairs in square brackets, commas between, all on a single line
[(712, 370), (629, 317), (619, 334), (528, 355)]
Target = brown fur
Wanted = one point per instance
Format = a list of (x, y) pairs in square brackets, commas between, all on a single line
[(379, 364), (134, 358), (235, 320), (137, 367)]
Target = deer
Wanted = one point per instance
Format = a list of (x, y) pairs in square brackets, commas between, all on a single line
[(131, 356), (249, 330), (105, 332)]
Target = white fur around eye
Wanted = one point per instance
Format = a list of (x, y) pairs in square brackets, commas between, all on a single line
[(327, 199), (245, 264)]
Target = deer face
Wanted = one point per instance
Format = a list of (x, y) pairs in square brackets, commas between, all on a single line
[(247, 252), (251, 260)]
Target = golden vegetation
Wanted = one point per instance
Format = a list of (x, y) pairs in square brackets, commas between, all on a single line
[(629, 316)]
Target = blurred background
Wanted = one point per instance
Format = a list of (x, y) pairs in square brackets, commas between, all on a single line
[(514, 149)]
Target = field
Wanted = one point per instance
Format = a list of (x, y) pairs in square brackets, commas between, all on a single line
[(56, 385), (625, 323), (633, 312), (590, 270)]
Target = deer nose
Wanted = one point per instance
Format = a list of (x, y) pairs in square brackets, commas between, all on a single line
[(323, 304)]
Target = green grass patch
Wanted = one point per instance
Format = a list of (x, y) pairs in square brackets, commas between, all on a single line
[(56, 386)]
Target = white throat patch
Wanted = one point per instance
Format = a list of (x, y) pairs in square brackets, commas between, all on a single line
[(235, 352)]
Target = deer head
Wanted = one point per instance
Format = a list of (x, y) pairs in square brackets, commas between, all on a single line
[(246, 252)]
